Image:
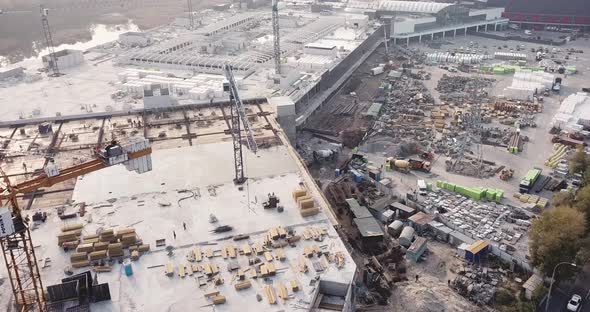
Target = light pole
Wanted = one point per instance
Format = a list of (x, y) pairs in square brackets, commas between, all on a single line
[(552, 279)]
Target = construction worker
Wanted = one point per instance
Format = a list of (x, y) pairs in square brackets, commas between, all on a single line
[(174, 233), (417, 278), (184, 225)]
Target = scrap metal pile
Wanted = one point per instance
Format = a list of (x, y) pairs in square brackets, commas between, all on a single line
[(478, 284), (405, 113), (491, 221), (459, 89), (513, 113)]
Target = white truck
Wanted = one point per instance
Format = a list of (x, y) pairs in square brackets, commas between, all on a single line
[(422, 187)]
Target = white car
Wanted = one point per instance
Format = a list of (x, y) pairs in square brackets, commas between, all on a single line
[(574, 303)]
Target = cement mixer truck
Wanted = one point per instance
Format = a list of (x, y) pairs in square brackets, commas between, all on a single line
[(405, 165)]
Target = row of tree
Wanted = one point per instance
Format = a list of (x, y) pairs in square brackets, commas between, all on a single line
[(563, 234)]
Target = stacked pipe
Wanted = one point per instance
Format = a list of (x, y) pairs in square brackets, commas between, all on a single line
[(513, 145)]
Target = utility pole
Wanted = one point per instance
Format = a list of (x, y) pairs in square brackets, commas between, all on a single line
[(385, 38), (191, 18), (53, 67), (275, 32)]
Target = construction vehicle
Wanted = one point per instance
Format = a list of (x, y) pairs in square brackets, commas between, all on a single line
[(506, 174), (422, 187), (323, 155), (526, 184), (557, 85), (404, 165), (15, 236), (567, 141)]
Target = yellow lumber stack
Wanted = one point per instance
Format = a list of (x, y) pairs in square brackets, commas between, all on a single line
[(283, 293), (100, 246), (243, 285), (97, 255), (115, 250), (73, 227), (271, 296), (298, 193), (169, 269), (219, 299), (85, 248), (107, 236), (78, 256)]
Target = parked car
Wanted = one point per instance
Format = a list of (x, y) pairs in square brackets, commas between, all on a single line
[(574, 303)]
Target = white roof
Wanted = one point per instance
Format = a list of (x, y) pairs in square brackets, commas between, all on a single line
[(401, 6)]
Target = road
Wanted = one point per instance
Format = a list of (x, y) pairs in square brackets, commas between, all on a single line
[(561, 294)]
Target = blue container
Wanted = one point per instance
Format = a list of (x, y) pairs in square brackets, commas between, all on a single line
[(127, 267), (337, 172)]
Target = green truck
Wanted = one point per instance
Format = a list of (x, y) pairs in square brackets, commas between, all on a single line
[(526, 184)]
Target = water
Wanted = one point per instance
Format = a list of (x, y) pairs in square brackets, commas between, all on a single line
[(100, 33)]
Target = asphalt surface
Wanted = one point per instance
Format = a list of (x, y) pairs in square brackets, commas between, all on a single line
[(562, 293)]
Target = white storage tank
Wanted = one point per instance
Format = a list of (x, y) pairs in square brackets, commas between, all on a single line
[(395, 228), (406, 237)]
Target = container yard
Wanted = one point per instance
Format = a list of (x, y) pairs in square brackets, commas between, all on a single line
[(282, 156)]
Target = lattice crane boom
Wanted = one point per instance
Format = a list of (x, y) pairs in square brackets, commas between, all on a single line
[(53, 67), (276, 36), (238, 113)]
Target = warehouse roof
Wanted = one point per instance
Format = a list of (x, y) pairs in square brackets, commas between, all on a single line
[(368, 227), (401, 6), (533, 282), (420, 218), (402, 207), (374, 110), (357, 210)]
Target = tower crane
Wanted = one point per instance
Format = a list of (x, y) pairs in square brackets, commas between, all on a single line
[(238, 113), (49, 43), (275, 32), (15, 236)]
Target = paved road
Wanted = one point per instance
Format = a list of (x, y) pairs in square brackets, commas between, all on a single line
[(561, 294)]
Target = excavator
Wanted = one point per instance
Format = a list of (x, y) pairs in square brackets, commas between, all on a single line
[(15, 236)]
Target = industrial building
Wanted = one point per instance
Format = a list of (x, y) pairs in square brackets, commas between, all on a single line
[(65, 59), (8, 73), (135, 39), (413, 20), (542, 13)]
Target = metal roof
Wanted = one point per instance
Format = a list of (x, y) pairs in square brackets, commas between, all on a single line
[(358, 210), (420, 218), (402, 207), (477, 246), (368, 227), (401, 6), (374, 110), (533, 282)]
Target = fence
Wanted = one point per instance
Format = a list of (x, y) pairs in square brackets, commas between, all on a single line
[(494, 249)]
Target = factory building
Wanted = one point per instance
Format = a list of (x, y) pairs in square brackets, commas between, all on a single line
[(541, 13), (135, 39), (11, 73), (65, 59)]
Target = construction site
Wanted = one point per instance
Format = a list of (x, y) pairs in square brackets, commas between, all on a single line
[(282, 156)]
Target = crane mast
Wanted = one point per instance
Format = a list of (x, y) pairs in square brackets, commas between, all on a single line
[(275, 32), (53, 67), (238, 113)]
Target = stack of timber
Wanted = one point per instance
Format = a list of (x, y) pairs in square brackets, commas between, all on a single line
[(305, 203)]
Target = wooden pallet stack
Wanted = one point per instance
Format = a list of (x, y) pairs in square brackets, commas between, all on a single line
[(69, 238), (305, 203)]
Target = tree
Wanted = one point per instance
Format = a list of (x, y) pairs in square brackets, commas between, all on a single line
[(555, 237), (505, 297), (579, 162), (563, 199), (583, 201)]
